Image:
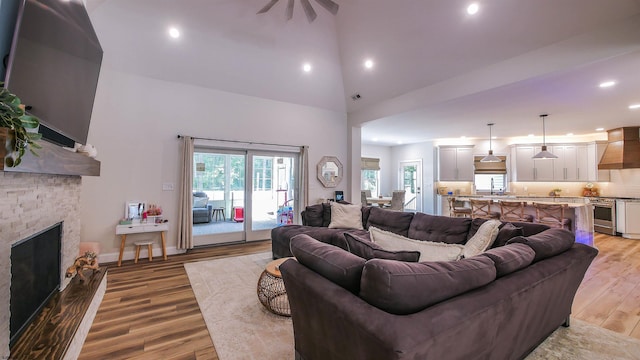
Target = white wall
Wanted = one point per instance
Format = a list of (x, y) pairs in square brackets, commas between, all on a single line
[(421, 151), (135, 125), (387, 181)]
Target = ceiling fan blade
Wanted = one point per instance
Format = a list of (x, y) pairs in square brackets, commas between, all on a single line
[(289, 11), (267, 7), (330, 5), (308, 10)]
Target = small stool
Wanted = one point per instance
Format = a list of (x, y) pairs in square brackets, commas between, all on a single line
[(217, 212), (139, 245)]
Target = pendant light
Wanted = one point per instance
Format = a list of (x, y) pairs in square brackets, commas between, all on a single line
[(490, 157), (544, 154)]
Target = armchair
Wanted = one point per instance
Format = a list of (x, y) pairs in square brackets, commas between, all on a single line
[(202, 210)]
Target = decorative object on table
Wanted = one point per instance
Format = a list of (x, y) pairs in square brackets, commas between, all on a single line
[(87, 261), (555, 192), (329, 171), (490, 157), (339, 195), (87, 150), (13, 117), (153, 214), (590, 190), (544, 154)]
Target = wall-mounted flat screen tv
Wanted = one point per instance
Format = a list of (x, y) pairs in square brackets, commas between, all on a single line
[(54, 66)]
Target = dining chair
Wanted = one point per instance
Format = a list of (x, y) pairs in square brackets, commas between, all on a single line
[(482, 209), (514, 211), (363, 198), (552, 215), (457, 208), (397, 200)]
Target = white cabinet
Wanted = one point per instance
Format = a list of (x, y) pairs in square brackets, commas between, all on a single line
[(594, 154), (455, 163), (575, 162), (627, 215), (527, 169)]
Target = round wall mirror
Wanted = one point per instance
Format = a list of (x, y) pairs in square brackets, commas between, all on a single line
[(330, 171)]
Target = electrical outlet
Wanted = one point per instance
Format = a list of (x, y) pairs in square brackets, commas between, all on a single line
[(167, 187)]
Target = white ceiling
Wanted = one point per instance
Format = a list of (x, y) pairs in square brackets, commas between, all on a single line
[(438, 73)]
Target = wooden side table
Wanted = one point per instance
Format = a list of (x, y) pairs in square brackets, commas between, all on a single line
[(271, 291), (123, 230)]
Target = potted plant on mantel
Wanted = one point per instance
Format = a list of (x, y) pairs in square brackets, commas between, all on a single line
[(13, 117)]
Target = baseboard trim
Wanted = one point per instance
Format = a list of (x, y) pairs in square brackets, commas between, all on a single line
[(130, 254)]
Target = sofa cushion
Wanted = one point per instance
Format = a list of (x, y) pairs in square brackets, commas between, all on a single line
[(326, 214), (510, 258), (345, 216), (450, 230), (404, 288), (527, 228), (506, 233), (200, 201), (367, 249), (548, 243), (482, 240), (313, 215), (394, 221), (429, 251), (335, 264)]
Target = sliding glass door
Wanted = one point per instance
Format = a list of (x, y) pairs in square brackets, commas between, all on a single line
[(242, 195)]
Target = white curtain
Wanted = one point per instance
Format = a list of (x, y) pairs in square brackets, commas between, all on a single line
[(185, 215), (304, 177)]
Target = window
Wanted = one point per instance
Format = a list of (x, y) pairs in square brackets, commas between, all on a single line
[(370, 181), (490, 183), (262, 173)]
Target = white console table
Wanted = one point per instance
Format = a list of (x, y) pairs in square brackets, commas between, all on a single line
[(138, 228)]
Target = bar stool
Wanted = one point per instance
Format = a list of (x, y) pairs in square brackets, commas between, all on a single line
[(482, 209), (552, 215), (457, 208), (514, 211), (139, 245)]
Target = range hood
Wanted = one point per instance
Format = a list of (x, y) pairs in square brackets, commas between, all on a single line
[(623, 149)]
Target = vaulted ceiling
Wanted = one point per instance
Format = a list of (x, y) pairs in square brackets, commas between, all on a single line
[(437, 71)]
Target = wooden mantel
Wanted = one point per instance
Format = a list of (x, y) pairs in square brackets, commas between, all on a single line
[(51, 159)]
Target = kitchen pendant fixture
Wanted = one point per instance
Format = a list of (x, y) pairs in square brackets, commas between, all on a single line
[(544, 154), (490, 157)]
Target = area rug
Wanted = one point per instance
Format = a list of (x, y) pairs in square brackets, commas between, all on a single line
[(241, 328)]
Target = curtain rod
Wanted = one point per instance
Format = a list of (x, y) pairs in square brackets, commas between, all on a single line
[(241, 142)]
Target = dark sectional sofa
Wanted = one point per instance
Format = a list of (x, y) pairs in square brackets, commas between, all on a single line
[(352, 300)]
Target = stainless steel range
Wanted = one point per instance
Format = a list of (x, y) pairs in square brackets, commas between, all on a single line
[(604, 215)]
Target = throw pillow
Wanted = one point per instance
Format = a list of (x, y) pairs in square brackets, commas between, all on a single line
[(507, 232), (429, 251), (199, 202), (345, 216), (483, 238), (510, 258)]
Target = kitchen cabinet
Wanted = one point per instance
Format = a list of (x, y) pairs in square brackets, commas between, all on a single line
[(527, 169), (575, 162), (627, 215), (455, 163)]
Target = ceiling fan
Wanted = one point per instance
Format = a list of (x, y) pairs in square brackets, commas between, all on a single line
[(330, 5)]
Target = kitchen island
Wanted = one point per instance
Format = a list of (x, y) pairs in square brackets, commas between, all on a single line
[(578, 211)]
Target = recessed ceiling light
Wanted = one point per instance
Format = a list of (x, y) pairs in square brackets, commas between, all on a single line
[(375, 139), (399, 142), (174, 32), (607, 84), (463, 137), (569, 134), (530, 135), (634, 106), (473, 9), (494, 137), (306, 67), (368, 64), (599, 129)]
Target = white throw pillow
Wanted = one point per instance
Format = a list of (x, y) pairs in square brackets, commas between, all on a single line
[(483, 238), (345, 216), (199, 202), (429, 250)]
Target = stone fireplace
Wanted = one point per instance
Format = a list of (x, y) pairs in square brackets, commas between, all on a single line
[(30, 203)]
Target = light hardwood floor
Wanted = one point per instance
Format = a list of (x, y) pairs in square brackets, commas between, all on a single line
[(150, 311)]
